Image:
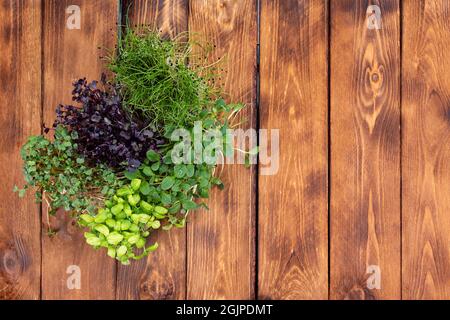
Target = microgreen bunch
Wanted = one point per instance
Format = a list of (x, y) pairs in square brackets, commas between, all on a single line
[(124, 223), (159, 194), (62, 177), (111, 158), (157, 81), (106, 133), (174, 186)]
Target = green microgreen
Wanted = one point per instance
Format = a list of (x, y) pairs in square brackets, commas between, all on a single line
[(61, 176), (160, 79)]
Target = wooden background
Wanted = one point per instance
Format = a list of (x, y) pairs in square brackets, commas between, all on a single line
[(364, 170)]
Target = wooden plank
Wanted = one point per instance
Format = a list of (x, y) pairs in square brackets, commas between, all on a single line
[(163, 274), (168, 16), (69, 55), (426, 150), (365, 151), (20, 91), (293, 231), (221, 253)]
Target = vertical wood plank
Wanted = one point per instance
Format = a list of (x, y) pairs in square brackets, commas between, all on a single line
[(69, 55), (365, 151), (426, 150), (20, 93), (163, 274), (168, 16), (220, 262), (293, 231)]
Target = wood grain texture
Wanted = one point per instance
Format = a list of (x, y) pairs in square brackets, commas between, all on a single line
[(69, 55), (20, 93), (381, 161), (365, 150), (163, 274), (168, 16), (221, 253), (426, 150), (293, 202)]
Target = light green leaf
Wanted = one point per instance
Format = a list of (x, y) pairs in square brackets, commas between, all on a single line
[(143, 218), (114, 238), (135, 184), (110, 223), (117, 209), (133, 239), (147, 207), (112, 252), (134, 199), (101, 217), (160, 210), (125, 225), (87, 218), (93, 241), (125, 191), (140, 243), (156, 224), (102, 229), (153, 247), (121, 251), (88, 235)]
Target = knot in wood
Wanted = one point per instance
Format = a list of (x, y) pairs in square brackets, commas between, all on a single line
[(11, 263), (375, 77)]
